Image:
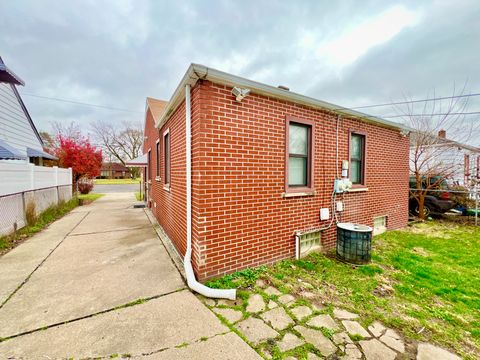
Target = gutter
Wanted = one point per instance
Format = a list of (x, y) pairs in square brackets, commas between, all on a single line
[(187, 260), (196, 72)]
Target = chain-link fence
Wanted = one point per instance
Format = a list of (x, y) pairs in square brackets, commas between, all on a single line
[(461, 205), (14, 207)]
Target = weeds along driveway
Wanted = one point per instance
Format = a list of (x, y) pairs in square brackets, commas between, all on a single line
[(97, 283)]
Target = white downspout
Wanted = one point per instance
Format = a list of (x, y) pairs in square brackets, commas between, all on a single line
[(187, 260)]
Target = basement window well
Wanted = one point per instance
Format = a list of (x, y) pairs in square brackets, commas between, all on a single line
[(308, 242)]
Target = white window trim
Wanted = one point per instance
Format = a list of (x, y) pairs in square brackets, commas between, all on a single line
[(158, 178), (149, 165), (167, 186)]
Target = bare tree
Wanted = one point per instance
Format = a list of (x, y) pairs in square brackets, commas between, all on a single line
[(433, 157), (70, 130), (122, 142), (51, 139)]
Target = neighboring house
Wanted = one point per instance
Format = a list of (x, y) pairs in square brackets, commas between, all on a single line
[(466, 159), (19, 138), (113, 170), (262, 166), (459, 162), (151, 143)]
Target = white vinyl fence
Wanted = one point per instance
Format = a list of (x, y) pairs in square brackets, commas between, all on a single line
[(22, 184)]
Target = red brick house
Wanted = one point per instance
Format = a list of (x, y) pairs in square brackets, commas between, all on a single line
[(262, 165), (113, 170)]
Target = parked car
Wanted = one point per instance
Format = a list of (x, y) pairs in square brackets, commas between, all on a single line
[(436, 202)]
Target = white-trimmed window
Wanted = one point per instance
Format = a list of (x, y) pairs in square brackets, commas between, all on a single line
[(166, 158), (157, 153), (149, 165)]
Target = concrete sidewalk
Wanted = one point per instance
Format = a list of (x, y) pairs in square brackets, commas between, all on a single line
[(99, 282)]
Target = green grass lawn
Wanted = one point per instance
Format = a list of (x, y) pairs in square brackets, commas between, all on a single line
[(424, 281), (90, 197), (116, 181)]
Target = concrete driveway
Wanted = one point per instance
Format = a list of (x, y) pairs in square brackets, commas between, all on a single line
[(99, 283)]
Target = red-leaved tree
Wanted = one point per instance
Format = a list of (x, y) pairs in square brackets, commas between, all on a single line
[(77, 153)]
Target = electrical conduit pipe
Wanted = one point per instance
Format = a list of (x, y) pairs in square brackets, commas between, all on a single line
[(187, 260)]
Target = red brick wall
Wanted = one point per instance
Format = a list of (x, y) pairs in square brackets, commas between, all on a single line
[(169, 206), (240, 218)]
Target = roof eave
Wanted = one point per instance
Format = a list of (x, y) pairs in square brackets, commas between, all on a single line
[(11, 77), (196, 72)]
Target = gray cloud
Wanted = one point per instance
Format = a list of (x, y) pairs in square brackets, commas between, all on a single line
[(116, 53)]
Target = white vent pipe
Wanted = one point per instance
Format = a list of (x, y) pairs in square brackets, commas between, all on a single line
[(187, 260)]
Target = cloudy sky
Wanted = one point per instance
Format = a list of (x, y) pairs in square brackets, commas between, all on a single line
[(352, 53)]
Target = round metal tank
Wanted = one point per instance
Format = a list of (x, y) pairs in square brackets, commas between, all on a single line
[(354, 243)]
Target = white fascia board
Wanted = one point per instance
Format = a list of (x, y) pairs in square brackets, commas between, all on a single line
[(196, 71), (190, 77)]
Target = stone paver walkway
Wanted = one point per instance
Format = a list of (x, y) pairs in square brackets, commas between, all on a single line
[(280, 326)]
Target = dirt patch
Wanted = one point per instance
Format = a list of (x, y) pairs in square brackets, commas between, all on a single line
[(421, 251), (383, 290), (429, 232)]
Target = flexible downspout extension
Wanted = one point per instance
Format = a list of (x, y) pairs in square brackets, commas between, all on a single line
[(187, 260)]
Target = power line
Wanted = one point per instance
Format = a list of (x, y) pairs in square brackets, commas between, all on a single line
[(438, 114), (340, 108), (81, 103), (411, 101)]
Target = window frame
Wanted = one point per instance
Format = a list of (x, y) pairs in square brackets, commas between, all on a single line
[(167, 169), (149, 165), (157, 149), (309, 188), (363, 173)]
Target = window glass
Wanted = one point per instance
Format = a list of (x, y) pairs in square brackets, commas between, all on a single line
[(357, 158), (158, 159), (297, 171), (298, 139), (355, 175), (298, 154), (166, 152), (356, 147), (149, 164)]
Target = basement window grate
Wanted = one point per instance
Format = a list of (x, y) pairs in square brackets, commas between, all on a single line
[(309, 242)]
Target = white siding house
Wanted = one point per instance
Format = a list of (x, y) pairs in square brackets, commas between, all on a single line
[(461, 160), (19, 139), (22, 182)]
